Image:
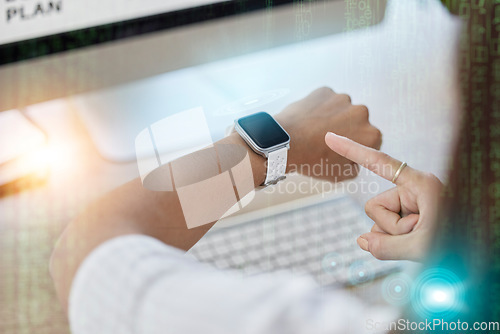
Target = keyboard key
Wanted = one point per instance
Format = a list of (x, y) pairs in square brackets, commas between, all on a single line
[(318, 240)]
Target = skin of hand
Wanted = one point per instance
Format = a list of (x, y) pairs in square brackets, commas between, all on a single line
[(134, 209), (307, 121), (405, 216)]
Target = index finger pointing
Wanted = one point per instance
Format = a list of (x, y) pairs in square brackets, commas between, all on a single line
[(376, 161)]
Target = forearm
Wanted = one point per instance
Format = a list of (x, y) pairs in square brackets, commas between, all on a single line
[(133, 209)]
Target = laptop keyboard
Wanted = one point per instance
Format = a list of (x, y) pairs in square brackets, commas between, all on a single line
[(317, 240)]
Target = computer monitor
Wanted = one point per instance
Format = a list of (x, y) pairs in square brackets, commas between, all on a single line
[(32, 29), (53, 49)]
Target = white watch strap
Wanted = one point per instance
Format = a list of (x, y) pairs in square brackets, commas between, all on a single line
[(276, 166)]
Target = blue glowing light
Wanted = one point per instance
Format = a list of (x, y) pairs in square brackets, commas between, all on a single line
[(251, 102), (396, 289), (360, 272), (332, 263), (437, 293)]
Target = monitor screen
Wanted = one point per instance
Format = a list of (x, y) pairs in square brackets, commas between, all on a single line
[(27, 19), (32, 28)]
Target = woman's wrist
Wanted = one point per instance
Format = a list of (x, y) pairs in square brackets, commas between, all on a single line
[(258, 162), (293, 152)]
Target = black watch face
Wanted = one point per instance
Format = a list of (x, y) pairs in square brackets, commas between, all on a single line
[(263, 130)]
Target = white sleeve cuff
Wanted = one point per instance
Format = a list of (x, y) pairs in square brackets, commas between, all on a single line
[(108, 283), (138, 285)]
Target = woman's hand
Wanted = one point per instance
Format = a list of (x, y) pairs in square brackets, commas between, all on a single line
[(405, 215), (308, 119)]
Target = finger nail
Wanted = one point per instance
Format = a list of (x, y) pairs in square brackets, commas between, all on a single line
[(363, 243), (331, 135), (334, 135)]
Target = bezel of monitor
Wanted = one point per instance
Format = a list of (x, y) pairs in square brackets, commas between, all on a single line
[(47, 45)]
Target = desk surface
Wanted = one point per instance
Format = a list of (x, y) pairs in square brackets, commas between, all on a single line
[(408, 93)]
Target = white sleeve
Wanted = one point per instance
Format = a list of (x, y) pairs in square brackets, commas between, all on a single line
[(136, 284)]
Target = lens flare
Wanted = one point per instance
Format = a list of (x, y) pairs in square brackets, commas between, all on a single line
[(437, 293), (396, 289), (360, 272), (439, 296), (251, 102)]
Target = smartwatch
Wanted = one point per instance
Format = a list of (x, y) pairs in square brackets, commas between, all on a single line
[(266, 137)]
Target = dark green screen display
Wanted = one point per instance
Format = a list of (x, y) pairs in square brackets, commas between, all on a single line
[(263, 130)]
